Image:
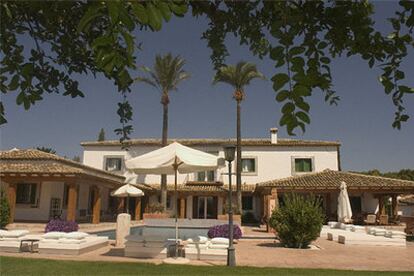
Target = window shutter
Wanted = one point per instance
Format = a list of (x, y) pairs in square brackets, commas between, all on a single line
[(33, 188)]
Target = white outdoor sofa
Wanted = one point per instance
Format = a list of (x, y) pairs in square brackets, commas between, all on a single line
[(74, 243), (10, 241), (349, 234)]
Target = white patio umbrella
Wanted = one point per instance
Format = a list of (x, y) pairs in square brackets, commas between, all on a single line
[(127, 190), (170, 160), (344, 205)]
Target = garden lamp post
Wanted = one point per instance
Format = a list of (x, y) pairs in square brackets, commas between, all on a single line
[(231, 254)]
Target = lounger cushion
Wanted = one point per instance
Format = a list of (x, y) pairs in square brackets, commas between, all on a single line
[(2, 232), (71, 241), (75, 235), (200, 245), (198, 239), (53, 235), (15, 233), (218, 246), (220, 241)]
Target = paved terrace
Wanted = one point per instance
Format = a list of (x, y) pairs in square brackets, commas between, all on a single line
[(266, 253)]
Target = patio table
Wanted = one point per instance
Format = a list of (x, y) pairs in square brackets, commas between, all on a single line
[(31, 241)]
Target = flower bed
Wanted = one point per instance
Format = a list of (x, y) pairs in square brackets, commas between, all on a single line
[(59, 225), (222, 231)]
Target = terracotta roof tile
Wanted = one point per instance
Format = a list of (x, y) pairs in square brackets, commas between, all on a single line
[(35, 161), (332, 179)]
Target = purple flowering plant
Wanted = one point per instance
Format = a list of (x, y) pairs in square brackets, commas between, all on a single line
[(61, 226), (222, 231)]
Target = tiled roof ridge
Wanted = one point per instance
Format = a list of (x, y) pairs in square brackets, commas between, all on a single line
[(201, 140)]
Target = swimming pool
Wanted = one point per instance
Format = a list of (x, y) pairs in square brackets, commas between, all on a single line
[(165, 231)]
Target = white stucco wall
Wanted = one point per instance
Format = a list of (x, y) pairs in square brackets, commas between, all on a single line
[(272, 162)]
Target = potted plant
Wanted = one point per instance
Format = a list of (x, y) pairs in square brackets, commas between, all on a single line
[(155, 211)]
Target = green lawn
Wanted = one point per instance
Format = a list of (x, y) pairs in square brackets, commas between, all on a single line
[(25, 266)]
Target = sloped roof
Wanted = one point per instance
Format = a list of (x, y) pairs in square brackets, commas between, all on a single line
[(25, 161), (328, 179), (215, 142), (408, 200)]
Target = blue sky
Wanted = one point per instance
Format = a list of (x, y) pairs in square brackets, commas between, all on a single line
[(362, 121)]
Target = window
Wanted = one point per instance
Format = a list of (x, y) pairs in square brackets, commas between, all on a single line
[(113, 164), (303, 164), (66, 196), (247, 202), (356, 204), (208, 176), (26, 193), (248, 165)]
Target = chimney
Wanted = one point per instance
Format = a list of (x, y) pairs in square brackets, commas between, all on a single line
[(273, 135)]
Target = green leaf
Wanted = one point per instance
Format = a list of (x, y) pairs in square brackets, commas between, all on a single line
[(113, 10), (303, 105), (404, 118), (282, 95), (288, 108), (301, 90), (405, 89), (102, 41), (125, 18), (303, 116), (165, 10), (14, 83), (140, 12), (20, 98), (279, 80), (129, 41), (179, 9), (325, 60), (154, 17), (27, 71), (296, 50), (277, 53), (92, 13), (322, 45)]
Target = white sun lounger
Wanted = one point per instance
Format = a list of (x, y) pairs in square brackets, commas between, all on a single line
[(72, 247), (10, 241), (351, 238)]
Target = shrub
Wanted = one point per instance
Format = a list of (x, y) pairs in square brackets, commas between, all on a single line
[(298, 222), (61, 226), (155, 208), (4, 209), (222, 231), (248, 217)]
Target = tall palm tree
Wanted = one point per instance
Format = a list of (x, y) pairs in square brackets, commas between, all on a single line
[(238, 76), (165, 76)]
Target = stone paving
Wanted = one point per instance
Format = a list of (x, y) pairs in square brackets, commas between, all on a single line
[(267, 253)]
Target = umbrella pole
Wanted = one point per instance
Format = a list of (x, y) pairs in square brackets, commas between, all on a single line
[(127, 204), (175, 204)]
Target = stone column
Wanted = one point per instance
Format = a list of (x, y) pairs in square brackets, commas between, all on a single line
[(137, 208), (72, 198), (12, 201), (96, 206), (182, 207), (328, 205), (123, 225), (394, 206), (380, 206)]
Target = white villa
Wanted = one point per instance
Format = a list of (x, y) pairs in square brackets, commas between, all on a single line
[(41, 185)]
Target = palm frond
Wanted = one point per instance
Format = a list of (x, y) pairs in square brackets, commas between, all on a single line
[(238, 75), (166, 73)]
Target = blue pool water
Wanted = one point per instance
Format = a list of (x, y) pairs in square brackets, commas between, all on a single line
[(165, 231)]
